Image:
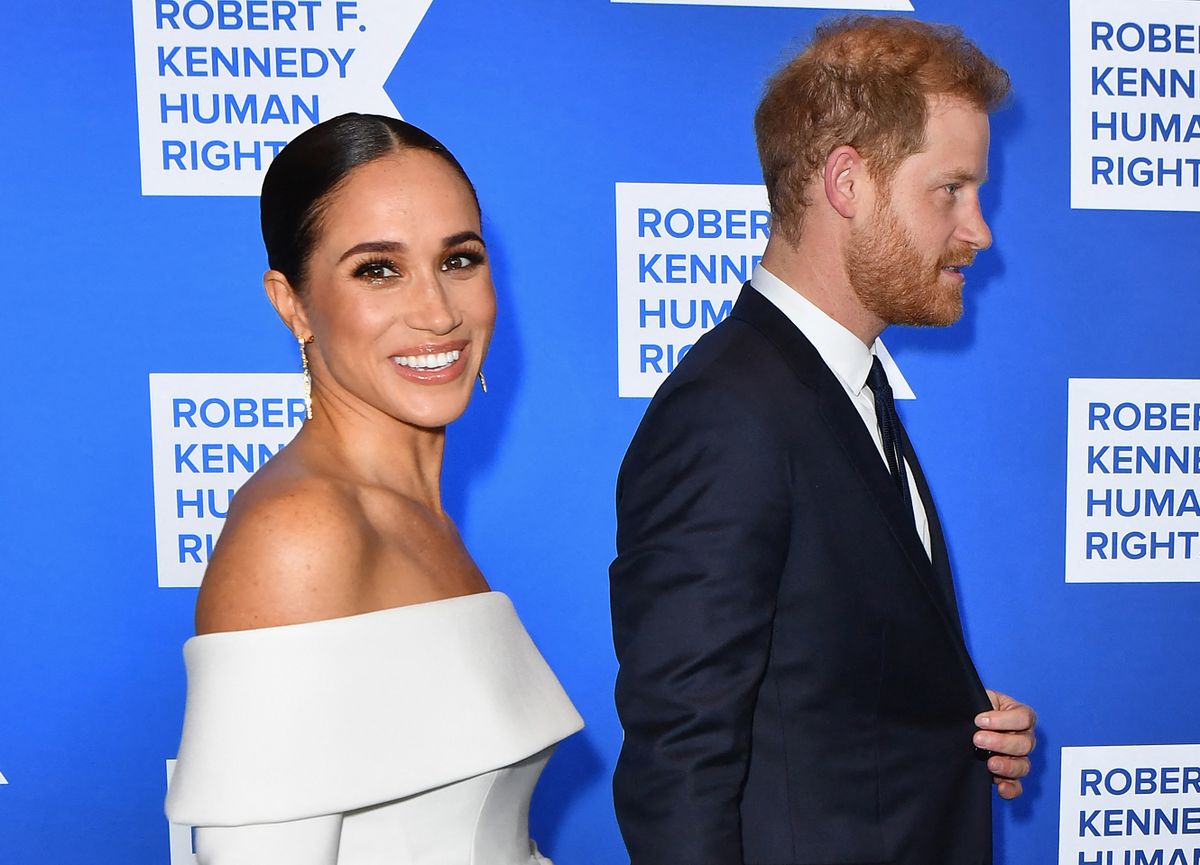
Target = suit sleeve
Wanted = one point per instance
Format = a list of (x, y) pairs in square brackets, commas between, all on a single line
[(313, 841), (703, 527)]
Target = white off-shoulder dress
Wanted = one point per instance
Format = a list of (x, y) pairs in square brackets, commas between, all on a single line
[(412, 735)]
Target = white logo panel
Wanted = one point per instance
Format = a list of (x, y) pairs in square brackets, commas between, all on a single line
[(1135, 79), (223, 85), (683, 252), (1133, 454), (210, 432), (1130, 805)]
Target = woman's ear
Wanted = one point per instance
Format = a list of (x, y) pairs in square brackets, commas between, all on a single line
[(287, 305)]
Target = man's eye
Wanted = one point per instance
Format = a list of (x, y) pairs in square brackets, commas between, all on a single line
[(952, 188)]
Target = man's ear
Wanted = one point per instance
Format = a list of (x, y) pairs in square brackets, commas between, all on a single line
[(845, 175), (287, 304)]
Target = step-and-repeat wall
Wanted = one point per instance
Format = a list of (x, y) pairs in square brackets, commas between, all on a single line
[(145, 375)]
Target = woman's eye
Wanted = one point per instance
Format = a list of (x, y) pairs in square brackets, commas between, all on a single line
[(376, 271), (462, 261)]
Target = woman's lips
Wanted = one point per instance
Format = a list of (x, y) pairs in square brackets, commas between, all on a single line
[(431, 364)]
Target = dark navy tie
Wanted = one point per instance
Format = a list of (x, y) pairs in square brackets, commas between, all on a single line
[(889, 428)]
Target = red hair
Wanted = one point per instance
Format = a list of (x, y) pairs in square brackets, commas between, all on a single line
[(864, 81)]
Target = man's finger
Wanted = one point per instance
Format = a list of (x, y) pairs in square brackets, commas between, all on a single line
[(1012, 744), (1016, 718), (1008, 789), (1010, 768)]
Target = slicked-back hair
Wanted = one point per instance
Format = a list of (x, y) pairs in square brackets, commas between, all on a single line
[(865, 81), (303, 177)]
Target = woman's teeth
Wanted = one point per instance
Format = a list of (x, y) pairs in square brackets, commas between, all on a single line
[(441, 360)]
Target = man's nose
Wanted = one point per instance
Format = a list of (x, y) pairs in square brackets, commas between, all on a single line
[(974, 229)]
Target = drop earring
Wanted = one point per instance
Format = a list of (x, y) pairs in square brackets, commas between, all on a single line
[(482, 381), (307, 376)]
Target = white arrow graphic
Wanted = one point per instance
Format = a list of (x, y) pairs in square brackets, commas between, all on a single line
[(222, 87), (3, 780)]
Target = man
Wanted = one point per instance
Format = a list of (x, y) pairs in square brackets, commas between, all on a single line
[(794, 684)]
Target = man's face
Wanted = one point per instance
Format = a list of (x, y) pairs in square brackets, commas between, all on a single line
[(905, 262)]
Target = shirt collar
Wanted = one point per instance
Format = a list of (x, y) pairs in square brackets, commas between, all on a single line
[(842, 351)]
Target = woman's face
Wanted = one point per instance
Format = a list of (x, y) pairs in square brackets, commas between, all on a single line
[(399, 293)]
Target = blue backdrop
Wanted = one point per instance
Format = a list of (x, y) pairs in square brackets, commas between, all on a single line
[(548, 104)]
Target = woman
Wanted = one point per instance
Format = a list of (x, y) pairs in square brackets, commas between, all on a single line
[(356, 694)]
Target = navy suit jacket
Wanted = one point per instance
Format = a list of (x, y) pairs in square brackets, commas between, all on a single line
[(794, 685)]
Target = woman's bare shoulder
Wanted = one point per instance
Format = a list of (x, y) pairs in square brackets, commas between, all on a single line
[(291, 551)]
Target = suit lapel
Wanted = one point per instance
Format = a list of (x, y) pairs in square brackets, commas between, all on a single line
[(941, 566), (850, 433), (937, 541)]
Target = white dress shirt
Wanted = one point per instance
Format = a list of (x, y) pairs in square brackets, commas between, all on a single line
[(850, 360)]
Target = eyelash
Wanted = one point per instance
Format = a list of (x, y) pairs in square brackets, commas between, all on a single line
[(472, 258), (370, 269)]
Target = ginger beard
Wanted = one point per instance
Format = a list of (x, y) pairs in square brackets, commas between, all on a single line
[(894, 281)]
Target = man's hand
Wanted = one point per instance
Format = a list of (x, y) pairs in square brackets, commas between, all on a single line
[(1006, 731)]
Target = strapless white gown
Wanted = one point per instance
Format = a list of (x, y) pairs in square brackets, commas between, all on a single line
[(412, 735)]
